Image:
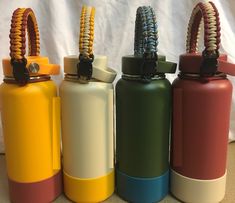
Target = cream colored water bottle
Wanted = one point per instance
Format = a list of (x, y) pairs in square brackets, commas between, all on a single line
[(87, 120)]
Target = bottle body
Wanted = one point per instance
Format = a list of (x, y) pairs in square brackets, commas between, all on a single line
[(30, 117), (87, 136), (143, 120), (201, 114)]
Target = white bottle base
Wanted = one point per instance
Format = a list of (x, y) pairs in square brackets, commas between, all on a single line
[(197, 191)]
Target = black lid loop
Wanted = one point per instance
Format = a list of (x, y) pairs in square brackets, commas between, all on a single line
[(20, 72), (149, 66), (209, 64), (84, 67), (146, 41)]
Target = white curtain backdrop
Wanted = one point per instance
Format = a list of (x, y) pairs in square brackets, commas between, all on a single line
[(58, 22)]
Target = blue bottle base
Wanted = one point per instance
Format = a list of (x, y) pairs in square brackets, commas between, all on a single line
[(142, 190)]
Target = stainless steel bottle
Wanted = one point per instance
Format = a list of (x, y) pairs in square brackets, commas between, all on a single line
[(143, 110), (30, 111), (202, 96), (87, 126)]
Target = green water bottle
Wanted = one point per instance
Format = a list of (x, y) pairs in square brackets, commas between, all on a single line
[(143, 110)]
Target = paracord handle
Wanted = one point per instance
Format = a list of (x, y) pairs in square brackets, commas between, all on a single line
[(23, 19), (146, 40), (86, 57), (210, 15)]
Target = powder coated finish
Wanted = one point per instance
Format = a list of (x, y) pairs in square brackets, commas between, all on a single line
[(31, 129), (87, 132)]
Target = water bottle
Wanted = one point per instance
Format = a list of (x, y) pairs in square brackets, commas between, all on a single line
[(87, 120), (30, 111), (143, 111), (202, 96)]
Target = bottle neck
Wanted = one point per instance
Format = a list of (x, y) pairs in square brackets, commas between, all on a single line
[(32, 79), (197, 76), (141, 79), (74, 78)]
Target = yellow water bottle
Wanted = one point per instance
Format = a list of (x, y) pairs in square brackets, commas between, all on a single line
[(30, 116)]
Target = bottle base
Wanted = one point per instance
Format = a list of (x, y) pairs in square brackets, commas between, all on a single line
[(37, 192), (142, 190), (197, 191), (89, 190)]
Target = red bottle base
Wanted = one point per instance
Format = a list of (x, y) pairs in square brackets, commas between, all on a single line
[(37, 192)]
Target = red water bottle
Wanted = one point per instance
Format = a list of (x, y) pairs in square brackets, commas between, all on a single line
[(202, 97)]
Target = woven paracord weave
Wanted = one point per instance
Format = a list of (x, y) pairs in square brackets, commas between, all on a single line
[(22, 19), (210, 15), (146, 33), (86, 32)]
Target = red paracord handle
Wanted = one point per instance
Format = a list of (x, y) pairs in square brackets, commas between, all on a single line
[(210, 15), (24, 20), (210, 61)]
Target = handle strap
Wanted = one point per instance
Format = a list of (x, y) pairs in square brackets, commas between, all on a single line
[(86, 57), (146, 33), (210, 15), (23, 19), (146, 40)]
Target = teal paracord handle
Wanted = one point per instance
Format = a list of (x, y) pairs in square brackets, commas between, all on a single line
[(146, 41), (146, 31), (146, 44)]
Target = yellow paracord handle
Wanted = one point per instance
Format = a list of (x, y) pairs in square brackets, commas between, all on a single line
[(86, 32), (24, 19)]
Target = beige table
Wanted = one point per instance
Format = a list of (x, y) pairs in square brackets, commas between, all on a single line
[(229, 197)]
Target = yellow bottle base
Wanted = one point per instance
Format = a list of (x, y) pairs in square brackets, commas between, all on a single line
[(89, 190)]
